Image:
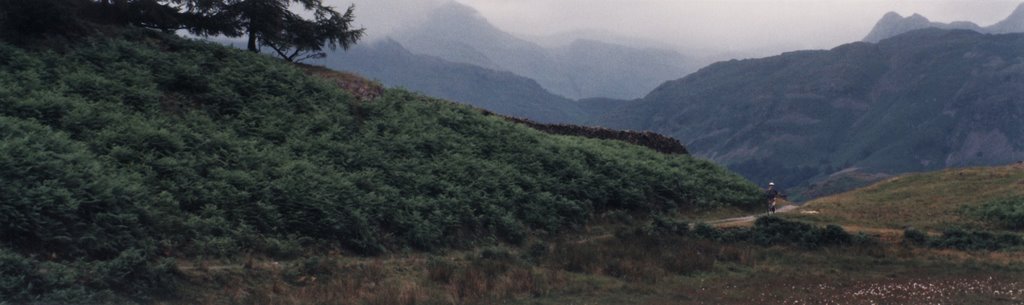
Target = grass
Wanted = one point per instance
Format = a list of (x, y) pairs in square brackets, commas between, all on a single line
[(627, 268), (928, 201), (623, 269)]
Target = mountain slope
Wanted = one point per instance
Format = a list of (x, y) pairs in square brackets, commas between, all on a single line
[(502, 92), (584, 69), (924, 100), (123, 157), (893, 24), (1012, 24)]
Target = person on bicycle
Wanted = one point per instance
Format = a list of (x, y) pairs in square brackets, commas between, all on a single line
[(771, 195)]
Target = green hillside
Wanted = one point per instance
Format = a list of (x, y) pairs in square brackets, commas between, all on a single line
[(924, 100), (989, 198), (121, 156)]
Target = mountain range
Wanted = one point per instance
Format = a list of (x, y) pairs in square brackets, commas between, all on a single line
[(839, 118), (893, 24), (922, 100), (583, 68)]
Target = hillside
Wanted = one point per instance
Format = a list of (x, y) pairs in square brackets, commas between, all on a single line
[(893, 24), (924, 100), (128, 159), (582, 69), (929, 201), (503, 92)]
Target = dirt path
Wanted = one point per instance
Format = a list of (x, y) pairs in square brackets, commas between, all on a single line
[(729, 222)]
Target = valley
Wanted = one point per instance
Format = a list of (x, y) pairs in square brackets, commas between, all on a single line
[(818, 121), (457, 163)]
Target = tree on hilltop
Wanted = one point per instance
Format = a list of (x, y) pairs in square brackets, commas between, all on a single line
[(266, 23), (270, 23)]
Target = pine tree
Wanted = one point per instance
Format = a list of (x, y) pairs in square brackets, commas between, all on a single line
[(266, 23), (270, 23)]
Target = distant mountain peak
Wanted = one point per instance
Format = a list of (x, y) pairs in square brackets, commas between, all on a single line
[(891, 16), (454, 9), (1018, 13), (893, 24), (1013, 23), (917, 16)]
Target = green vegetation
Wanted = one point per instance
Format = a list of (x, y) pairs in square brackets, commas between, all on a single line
[(965, 240), (769, 231), (121, 154), (976, 240), (927, 201), (1006, 212), (265, 23)]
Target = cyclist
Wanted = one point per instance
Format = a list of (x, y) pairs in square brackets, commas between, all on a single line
[(771, 195)]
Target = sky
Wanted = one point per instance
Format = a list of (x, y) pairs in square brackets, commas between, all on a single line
[(758, 26)]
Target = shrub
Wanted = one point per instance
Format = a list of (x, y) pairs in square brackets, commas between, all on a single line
[(768, 231), (17, 277), (976, 240), (1006, 212), (706, 231), (834, 235), (661, 225), (915, 237)]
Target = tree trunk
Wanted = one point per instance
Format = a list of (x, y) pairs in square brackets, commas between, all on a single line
[(252, 42)]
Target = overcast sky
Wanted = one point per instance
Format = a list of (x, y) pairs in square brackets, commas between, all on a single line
[(721, 25)]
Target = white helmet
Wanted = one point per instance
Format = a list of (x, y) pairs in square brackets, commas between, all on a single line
[(771, 183)]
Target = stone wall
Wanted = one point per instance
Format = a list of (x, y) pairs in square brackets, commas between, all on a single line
[(657, 142)]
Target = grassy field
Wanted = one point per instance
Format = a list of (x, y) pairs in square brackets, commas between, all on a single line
[(622, 270), (929, 201)]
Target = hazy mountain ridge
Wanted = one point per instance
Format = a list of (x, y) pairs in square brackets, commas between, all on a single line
[(923, 100), (893, 24), (499, 91), (582, 69)]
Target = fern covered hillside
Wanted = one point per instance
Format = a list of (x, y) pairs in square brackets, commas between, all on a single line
[(121, 156)]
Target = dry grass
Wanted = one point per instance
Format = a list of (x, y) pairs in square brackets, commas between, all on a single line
[(357, 86), (340, 280), (621, 269), (928, 201), (489, 276), (644, 260)]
